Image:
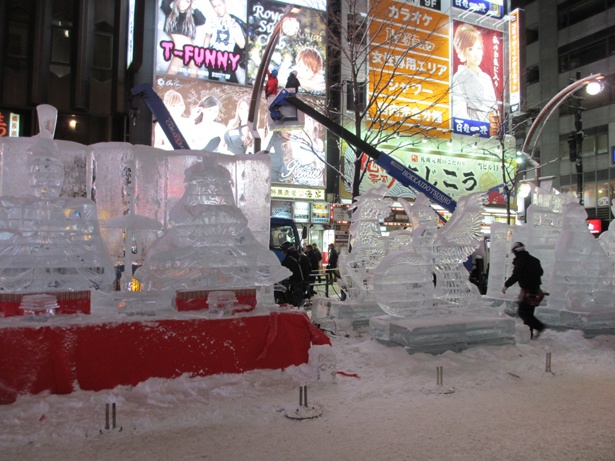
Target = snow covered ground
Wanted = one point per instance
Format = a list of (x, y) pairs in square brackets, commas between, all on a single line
[(496, 403)]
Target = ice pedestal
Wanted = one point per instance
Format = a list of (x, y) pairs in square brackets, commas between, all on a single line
[(435, 335), (357, 313), (597, 321)]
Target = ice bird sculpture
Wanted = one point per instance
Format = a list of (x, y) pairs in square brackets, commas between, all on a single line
[(429, 277)]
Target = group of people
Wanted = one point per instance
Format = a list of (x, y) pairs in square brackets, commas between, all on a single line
[(305, 265), (272, 83)]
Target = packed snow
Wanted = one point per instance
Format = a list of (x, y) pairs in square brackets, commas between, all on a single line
[(494, 403)]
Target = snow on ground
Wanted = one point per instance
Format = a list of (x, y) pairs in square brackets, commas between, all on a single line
[(496, 403)]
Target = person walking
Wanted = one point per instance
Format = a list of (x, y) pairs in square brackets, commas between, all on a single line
[(527, 272)]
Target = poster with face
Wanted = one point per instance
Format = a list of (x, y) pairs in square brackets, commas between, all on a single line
[(477, 86), (213, 117), (203, 39), (301, 48)]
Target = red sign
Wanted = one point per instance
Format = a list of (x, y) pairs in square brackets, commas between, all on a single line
[(594, 225)]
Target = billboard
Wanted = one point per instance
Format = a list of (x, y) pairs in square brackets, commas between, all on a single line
[(455, 174), (203, 39), (301, 47), (409, 67), (213, 117), (203, 45), (515, 59), (477, 86)]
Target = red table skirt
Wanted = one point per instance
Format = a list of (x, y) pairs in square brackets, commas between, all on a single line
[(100, 356)]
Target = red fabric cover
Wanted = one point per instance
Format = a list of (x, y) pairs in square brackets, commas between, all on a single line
[(59, 359)]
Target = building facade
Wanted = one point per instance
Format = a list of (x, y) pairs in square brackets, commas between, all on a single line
[(584, 44)]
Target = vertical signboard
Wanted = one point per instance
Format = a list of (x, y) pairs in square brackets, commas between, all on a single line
[(409, 67), (477, 86), (514, 59)]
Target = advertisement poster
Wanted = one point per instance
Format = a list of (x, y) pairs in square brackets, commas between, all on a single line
[(409, 68), (203, 39), (456, 175), (301, 48), (477, 86), (213, 117)]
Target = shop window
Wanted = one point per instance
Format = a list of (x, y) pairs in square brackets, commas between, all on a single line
[(102, 65), (603, 194), (61, 46), (589, 194)]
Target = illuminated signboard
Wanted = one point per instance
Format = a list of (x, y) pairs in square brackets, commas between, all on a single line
[(493, 8), (213, 117), (320, 213), (514, 65), (456, 175), (301, 212), (477, 85), (207, 41), (409, 67), (279, 192), (301, 47), (594, 225), (9, 124)]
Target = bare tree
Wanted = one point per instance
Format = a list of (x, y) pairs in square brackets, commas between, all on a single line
[(389, 62)]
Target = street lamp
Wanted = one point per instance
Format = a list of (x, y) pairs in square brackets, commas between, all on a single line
[(595, 81)]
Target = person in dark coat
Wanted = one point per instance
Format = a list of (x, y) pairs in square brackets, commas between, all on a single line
[(293, 81), (527, 272), (314, 266), (296, 284), (332, 265)]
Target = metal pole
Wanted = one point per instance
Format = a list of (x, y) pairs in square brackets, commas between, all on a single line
[(106, 416), (548, 363)]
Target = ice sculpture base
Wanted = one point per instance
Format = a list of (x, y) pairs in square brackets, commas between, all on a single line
[(70, 302), (435, 335), (197, 300), (357, 313), (591, 323)]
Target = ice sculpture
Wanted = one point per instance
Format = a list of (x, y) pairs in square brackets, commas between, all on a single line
[(48, 242), (607, 238), (430, 276), (208, 244), (368, 244), (581, 266), (578, 271)]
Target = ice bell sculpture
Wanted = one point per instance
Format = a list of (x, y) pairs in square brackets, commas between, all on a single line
[(208, 244)]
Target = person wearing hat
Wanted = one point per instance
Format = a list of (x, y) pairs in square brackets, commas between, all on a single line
[(527, 272), (293, 82), (271, 87)]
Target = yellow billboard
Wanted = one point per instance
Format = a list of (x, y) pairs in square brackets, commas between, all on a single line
[(410, 68)]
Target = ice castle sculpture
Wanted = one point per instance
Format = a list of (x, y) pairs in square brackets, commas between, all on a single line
[(50, 242), (208, 244), (578, 272)]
